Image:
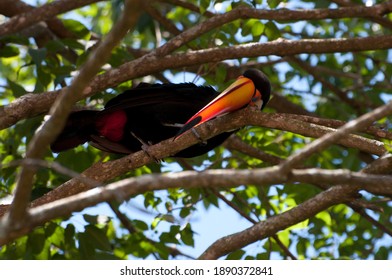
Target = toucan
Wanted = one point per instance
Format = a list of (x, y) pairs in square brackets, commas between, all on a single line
[(151, 113)]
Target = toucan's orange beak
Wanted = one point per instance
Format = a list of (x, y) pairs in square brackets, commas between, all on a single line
[(238, 95)]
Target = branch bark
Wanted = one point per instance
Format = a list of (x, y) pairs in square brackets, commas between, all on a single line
[(279, 222), (103, 172), (322, 201), (59, 112), (126, 188), (31, 105), (42, 13), (220, 178), (326, 140)]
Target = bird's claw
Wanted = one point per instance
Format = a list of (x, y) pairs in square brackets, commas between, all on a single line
[(197, 135), (145, 148)]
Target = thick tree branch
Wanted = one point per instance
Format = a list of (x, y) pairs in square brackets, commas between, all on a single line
[(293, 124), (279, 222), (31, 105), (59, 112), (278, 15), (263, 176), (211, 179), (332, 123), (304, 211), (10, 8), (42, 13), (380, 20), (103, 172)]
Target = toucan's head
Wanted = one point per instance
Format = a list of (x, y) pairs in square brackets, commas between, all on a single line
[(251, 89), (262, 87)]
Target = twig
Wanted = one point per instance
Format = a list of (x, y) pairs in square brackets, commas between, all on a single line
[(54, 166), (371, 130), (131, 229), (235, 143), (281, 221), (246, 216), (343, 95), (326, 140)]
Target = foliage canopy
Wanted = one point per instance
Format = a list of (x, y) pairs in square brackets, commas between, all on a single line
[(329, 62)]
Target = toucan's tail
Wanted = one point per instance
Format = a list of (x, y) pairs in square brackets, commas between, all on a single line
[(78, 128)]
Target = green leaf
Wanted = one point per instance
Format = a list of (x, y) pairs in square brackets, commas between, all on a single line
[(16, 89), (77, 28), (9, 51), (325, 217), (300, 225), (97, 238), (185, 212), (203, 5), (221, 74), (248, 25), (55, 234), (44, 76), (36, 242), (274, 3), (284, 237), (236, 255), (91, 219), (73, 44), (257, 29), (55, 46), (187, 236), (141, 225), (37, 55), (272, 31), (382, 253), (69, 240)]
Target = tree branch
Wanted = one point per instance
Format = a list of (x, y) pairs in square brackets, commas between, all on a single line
[(326, 140), (42, 13), (272, 175), (378, 19), (31, 105), (10, 8), (126, 188), (59, 112), (103, 172), (279, 222)]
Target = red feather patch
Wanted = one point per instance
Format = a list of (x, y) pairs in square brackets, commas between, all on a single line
[(111, 125)]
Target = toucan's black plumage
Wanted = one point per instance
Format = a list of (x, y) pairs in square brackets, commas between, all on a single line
[(152, 113)]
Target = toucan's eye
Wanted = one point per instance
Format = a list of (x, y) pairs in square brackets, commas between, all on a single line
[(256, 100), (256, 96)]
